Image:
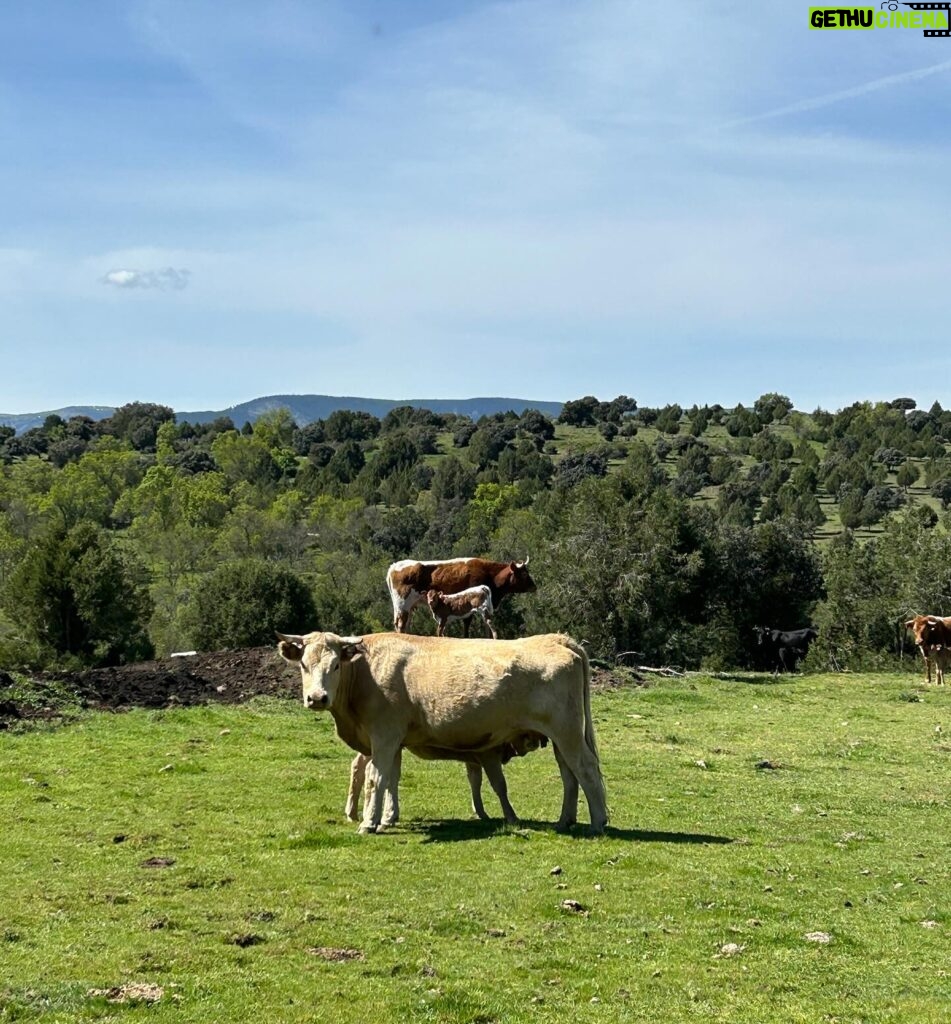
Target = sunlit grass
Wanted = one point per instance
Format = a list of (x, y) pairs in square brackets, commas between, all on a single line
[(204, 851)]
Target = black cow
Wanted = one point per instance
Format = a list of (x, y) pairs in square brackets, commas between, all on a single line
[(784, 649)]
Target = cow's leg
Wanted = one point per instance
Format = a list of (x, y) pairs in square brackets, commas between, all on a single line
[(492, 764), (382, 779), (358, 771), (467, 620), (926, 660), (569, 801), (391, 801), (488, 622), (474, 775), (403, 605), (579, 762), (441, 627)]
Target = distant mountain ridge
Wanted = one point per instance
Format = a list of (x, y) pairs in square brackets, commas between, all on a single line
[(304, 409)]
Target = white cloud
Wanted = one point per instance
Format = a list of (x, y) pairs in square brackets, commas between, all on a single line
[(166, 279)]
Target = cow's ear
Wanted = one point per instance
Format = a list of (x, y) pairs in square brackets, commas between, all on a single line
[(291, 648), (352, 646)]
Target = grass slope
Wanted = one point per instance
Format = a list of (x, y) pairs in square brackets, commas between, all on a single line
[(203, 851)]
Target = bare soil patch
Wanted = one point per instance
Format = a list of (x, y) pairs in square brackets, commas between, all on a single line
[(227, 677)]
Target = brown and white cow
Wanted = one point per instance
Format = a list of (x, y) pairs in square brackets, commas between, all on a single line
[(490, 760), (408, 581), (387, 691), (932, 635), (448, 608)]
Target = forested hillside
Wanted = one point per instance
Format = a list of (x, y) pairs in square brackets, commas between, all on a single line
[(662, 535)]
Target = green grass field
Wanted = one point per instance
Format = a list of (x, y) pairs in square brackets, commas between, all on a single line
[(778, 851)]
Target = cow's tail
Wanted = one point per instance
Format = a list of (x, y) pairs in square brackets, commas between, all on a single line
[(589, 737), (590, 742)]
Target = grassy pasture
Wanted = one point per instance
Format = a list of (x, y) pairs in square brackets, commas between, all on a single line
[(203, 851)]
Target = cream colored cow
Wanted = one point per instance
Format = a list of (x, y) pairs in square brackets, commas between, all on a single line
[(450, 697)]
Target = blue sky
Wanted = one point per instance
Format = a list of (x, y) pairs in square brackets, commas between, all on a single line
[(694, 202)]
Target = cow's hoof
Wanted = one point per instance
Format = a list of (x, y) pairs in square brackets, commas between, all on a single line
[(565, 826), (367, 830)]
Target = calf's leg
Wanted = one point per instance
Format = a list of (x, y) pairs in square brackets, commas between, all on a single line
[(383, 776), (358, 771), (492, 763), (474, 775)]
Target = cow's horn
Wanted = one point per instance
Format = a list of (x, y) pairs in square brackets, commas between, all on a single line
[(290, 638)]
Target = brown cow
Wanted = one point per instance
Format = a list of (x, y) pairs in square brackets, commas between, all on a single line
[(408, 581), (448, 608), (932, 635)]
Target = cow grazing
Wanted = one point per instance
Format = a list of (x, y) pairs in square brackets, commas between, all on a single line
[(490, 760), (932, 635), (408, 581), (784, 649), (448, 608), (453, 698)]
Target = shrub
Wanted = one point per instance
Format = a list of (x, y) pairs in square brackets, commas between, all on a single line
[(243, 604)]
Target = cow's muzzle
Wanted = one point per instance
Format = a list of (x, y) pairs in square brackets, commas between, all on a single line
[(317, 701)]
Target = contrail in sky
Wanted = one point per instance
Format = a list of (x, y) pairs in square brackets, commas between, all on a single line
[(846, 94)]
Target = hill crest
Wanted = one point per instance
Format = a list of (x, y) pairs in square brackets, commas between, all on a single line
[(304, 408)]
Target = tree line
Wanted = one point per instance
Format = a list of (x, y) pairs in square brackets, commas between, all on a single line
[(664, 534)]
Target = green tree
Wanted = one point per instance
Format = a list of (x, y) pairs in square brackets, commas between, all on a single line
[(582, 412), (772, 407), (453, 479), (275, 428), (137, 423), (345, 425), (78, 594), (242, 604), (243, 457)]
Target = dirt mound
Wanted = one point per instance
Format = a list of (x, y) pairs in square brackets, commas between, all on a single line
[(229, 676), (224, 676)]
